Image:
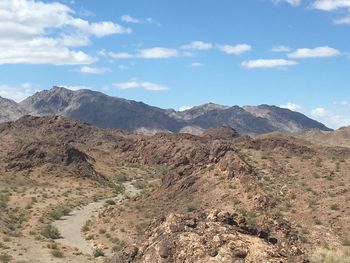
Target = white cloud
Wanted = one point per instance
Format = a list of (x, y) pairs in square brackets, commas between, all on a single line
[(331, 119), (183, 108), (139, 85), (75, 88), (319, 112), (130, 19), (291, 2), (331, 5), (343, 21), (236, 50), (17, 93), (93, 70), (280, 49), (196, 65), (318, 52), (198, 45), (148, 53), (291, 106), (345, 103), (158, 52), (268, 63), (37, 32)]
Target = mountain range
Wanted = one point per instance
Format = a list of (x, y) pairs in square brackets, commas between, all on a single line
[(105, 111)]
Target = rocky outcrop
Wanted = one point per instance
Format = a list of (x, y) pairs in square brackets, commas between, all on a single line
[(221, 133), (213, 236)]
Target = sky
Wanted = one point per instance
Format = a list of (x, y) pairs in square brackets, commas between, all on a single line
[(179, 54)]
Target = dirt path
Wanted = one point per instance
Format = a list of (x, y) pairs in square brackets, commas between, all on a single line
[(70, 226)]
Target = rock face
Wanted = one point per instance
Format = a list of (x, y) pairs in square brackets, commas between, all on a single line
[(10, 110), (109, 112), (214, 236), (47, 142), (221, 132)]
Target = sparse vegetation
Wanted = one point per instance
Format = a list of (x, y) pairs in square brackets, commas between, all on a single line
[(60, 211), (98, 252), (51, 232)]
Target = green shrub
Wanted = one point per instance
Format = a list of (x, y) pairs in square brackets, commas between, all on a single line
[(191, 207), (51, 232), (335, 207), (60, 211), (5, 258), (56, 253), (98, 252), (328, 256), (118, 189)]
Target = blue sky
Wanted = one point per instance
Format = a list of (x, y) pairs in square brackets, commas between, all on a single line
[(178, 54)]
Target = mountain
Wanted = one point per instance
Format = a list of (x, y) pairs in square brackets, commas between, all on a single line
[(99, 109), (340, 137), (110, 112), (10, 110)]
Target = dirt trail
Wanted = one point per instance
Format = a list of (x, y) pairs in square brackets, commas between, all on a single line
[(70, 226)]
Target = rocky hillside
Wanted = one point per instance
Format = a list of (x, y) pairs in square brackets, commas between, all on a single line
[(109, 112), (10, 110), (212, 198), (339, 137)]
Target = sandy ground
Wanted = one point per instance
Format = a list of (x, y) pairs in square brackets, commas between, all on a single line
[(70, 226)]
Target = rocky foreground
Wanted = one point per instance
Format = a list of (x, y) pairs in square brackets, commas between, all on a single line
[(219, 197)]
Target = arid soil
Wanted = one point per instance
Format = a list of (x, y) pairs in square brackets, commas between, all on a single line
[(211, 198)]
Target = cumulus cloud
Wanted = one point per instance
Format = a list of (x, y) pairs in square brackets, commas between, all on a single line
[(140, 85), (330, 118), (93, 70), (196, 65), (198, 45), (17, 93), (280, 49), (37, 32), (268, 63), (291, 106), (291, 2), (331, 5), (130, 19), (318, 52), (236, 50), (148, 53)]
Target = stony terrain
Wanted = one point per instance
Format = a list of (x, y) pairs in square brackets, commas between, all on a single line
[(219, 197), (109, 112)]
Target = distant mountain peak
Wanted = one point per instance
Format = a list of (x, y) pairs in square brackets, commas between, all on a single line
[(110, 112)]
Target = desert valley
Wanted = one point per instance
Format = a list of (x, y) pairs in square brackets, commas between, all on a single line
[(219, 196)]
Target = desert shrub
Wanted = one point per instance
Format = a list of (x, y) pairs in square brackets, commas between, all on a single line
[(110, 202), (118, 189), (335, 207), (60, 211), (86, 226), (119, 244), (57, 253), (191, 207), (5, 258), (141, 185), (51, 232), (98, 252), (328, 256)]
